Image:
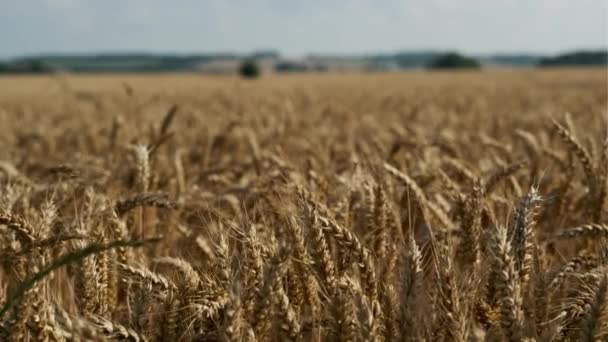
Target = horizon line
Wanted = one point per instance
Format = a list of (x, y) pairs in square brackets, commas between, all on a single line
[(147, 52)]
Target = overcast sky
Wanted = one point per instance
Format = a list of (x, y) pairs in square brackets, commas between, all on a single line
[(297, 27)]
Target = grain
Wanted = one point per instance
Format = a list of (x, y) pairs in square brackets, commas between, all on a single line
[(416, 207)]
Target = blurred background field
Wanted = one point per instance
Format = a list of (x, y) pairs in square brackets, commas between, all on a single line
[(176, 83)]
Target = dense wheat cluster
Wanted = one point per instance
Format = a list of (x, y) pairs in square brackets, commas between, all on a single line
[(416, 207)]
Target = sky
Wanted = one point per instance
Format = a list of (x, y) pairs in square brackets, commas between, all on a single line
[(299, 27)]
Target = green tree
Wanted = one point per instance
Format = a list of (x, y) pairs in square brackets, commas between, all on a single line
[(249, 69), (454, 60)]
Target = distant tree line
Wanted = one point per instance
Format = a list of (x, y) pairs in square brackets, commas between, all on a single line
[(171, 63), (577, 58), (581, 58), (25, 67)]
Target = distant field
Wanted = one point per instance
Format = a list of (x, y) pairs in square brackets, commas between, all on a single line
[(437, 206), (175, 83)]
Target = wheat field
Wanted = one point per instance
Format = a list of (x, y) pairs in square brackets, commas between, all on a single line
[(453, 206)]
